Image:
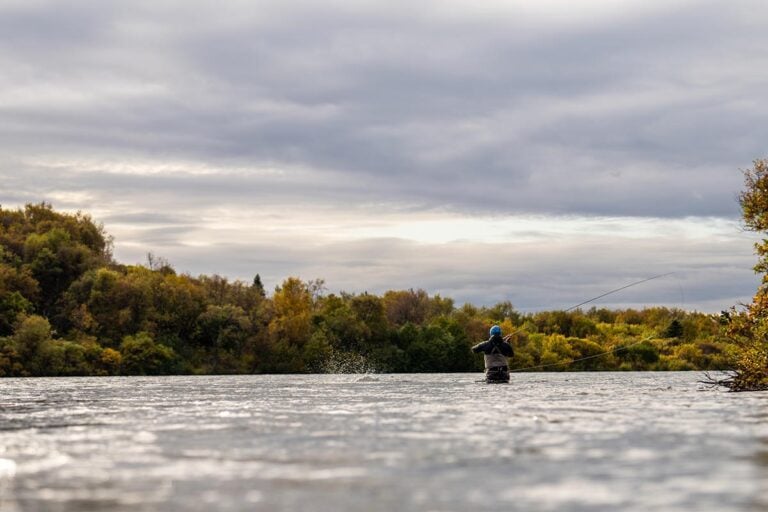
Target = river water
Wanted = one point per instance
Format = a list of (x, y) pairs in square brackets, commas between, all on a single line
[(547, 441)]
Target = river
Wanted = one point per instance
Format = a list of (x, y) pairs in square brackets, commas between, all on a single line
[(436, 442)]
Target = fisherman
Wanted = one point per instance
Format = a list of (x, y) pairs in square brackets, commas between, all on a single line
[(496, 350)]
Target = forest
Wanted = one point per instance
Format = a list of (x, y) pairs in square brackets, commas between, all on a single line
[(68, 309)]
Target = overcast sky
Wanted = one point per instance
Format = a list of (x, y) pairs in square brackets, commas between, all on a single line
[(539, 152)]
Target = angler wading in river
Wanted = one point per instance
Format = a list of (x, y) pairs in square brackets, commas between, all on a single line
[(496, 350)]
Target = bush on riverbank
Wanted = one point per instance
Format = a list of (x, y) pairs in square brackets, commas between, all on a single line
[(748, 329)]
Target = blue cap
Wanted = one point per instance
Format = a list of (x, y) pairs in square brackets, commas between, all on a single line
[(495, 330)]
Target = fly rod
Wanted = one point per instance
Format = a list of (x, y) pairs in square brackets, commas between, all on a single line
[(618, 290), (630, 285)]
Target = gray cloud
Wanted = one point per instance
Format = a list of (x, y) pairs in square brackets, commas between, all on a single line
[(142, 218), (159, 116)]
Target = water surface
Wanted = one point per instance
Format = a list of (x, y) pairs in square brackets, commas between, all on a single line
[(578, 441)]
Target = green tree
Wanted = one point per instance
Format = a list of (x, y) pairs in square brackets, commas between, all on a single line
[(429, 351), (341, 327), (13, 305), (30, 340), (588, 355), (502, 311), (177, 302), (224, 331), (142, 356), (674, 329), (118, 302), (317, 352), (638, 357), (258, 287), (55, 249)]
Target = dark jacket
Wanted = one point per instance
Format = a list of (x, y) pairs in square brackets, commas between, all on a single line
[(494, 344)]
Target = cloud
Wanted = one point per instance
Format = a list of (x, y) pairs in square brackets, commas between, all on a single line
[(164, 119)]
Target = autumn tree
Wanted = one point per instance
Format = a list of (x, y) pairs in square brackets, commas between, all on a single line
[(750, 328), (293, 312)]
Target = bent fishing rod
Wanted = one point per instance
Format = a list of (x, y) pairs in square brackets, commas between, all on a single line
[(618, 290), (630, 285), (580, 359)]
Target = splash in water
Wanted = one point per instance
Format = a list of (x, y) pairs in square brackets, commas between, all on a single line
[(347, 362)]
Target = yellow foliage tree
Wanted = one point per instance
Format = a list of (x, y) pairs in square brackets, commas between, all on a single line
[(293, 313)]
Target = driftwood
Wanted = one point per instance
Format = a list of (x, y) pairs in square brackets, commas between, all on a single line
[(734, 381)]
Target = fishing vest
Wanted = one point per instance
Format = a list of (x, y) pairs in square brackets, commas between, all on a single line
[(495, 359)]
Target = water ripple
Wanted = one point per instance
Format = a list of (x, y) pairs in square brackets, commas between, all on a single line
[(605, 441)]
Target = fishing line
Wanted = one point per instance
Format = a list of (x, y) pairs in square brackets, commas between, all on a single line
[(630, 285), (594, 356), (618, 290)]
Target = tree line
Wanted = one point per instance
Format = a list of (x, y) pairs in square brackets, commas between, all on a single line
[(67, 308)]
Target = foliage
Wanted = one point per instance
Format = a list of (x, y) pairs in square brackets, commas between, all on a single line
[(66, 308), (142, 356), (293, 313), (749, 328)]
